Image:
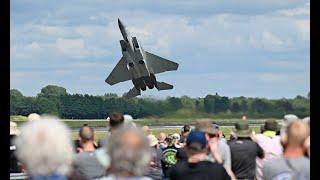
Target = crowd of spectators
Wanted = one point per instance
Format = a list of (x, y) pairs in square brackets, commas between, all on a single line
[(42, 148)]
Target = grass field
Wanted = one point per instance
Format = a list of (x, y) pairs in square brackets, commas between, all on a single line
[(74, 123), (156, 132)]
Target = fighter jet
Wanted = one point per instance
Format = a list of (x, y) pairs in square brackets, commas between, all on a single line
[(139, 66)]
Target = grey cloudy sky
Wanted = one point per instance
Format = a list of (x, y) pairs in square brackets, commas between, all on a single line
[(236, 48)]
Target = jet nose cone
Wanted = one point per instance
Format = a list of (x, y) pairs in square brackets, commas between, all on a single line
[(119, 22)]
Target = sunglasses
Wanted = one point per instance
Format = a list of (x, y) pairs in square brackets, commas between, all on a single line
[(212, 135)]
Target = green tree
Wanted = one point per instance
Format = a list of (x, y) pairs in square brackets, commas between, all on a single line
[(283, 106), (235, 107), (174, 103), (259, 106), (209, 103), (16, 98), (52, 91)]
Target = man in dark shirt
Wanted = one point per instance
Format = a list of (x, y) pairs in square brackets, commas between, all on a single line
[(244, 152), (197, 167), (171, 155)]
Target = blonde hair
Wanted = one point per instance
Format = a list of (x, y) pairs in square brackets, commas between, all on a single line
[(45, 147)]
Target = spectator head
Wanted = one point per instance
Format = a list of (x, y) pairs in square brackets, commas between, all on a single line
[(186, 128), (153, 141), (262, 128), (14, 129), (196, 143), (176, 136), (215, 124), (296, 135), (162, 137), (45, 147), (205, 126), (271, 125), (176, 140), (146, 130), (33, 117), (129, 120), (219, 131), (129, 151), (288, 118), (86, 133), (306, 120), (169, 140), (116, 119), (242, 130)]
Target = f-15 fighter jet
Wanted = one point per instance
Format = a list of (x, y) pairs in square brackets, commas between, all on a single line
[(139, 66)]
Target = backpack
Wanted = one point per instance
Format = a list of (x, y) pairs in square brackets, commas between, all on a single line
[(291, 175)]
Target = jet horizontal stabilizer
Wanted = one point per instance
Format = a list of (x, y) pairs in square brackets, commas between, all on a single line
[(163, 86), (132, 93)]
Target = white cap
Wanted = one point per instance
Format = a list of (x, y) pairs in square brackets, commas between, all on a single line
[(33, 117)]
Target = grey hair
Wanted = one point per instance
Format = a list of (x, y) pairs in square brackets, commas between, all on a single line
[(45, 147), (129, 150)]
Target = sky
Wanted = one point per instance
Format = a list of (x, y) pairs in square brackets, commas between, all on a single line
[(235, 48)]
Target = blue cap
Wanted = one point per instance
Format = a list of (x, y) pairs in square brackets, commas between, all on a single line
[(197, 136)]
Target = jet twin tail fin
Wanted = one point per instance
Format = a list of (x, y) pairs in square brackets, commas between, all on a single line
[(163, 86), (132, 93)]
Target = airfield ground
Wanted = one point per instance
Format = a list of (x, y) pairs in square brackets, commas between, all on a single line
[(154, 123), (225, 129)]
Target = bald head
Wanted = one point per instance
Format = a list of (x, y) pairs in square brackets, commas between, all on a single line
[(298, 132), (86, 133)]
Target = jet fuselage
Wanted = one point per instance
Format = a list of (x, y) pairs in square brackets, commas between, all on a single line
[(139, 66), (137, 63)]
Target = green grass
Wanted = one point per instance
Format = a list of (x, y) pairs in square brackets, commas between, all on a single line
[(145, 121), (226, 130)]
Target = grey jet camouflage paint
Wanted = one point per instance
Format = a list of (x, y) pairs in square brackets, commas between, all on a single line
[(139, 66)]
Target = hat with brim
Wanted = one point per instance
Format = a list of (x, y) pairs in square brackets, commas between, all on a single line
[(205, 125), (271, 125), (242, 130)]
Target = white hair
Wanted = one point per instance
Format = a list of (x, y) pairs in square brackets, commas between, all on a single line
[(288, 118), (306, 119), (45, 147), (127, 117), (129, 150), (33, 117), (129, 120)]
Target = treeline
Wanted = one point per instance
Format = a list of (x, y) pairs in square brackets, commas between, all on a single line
[(55, 100)]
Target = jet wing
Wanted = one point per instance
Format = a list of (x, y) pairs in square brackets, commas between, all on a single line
[(120, 73), (159, 64)]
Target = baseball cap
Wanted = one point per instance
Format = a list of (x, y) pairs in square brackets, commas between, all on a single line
[(197, 136), (205, 125)]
